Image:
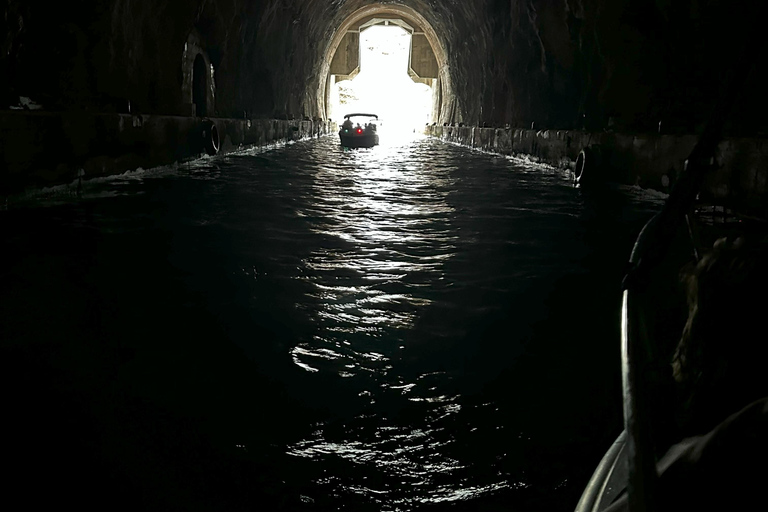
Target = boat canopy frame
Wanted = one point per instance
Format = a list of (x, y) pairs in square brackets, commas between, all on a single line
[(361, 115)]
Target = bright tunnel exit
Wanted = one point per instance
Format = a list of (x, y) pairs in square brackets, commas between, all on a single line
[(384, 86)]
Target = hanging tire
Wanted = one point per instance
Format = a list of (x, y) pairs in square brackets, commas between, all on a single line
[(589, 166), (210, 136)]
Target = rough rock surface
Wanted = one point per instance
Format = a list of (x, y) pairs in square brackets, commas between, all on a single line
[(555, 63)]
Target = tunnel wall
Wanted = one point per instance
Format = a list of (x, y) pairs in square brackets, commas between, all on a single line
[(650, 161), (45, 149), (560, 64)]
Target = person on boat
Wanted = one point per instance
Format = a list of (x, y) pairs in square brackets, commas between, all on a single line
[(719, 362), (347, 125), (720, 369)]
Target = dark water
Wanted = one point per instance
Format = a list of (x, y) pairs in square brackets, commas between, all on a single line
[(413, 326)]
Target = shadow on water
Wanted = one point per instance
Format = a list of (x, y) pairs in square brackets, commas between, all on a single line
[(122, 390), (412, 326)]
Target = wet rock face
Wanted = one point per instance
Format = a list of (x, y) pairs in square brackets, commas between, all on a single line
[(554, 63)]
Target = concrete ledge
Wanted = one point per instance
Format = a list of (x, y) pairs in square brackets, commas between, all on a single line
[(39, 149), (651, 161)]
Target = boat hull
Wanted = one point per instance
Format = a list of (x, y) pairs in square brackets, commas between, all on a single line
[(367, 140)]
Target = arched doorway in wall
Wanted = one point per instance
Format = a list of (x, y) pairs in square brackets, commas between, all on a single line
[(199, 86), (345, 59)]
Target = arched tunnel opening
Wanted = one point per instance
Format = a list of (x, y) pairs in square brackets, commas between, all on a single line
[(382, 82), (388, 57)]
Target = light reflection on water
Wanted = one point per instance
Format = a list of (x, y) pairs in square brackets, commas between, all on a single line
[(422, 243), (388, 223), (393, 214)]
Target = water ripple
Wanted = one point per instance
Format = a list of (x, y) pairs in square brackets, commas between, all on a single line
[(423, 295)]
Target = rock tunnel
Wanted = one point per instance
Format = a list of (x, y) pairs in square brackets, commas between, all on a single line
[(559, 64), (570, 70), (96, 88), (578, 68)]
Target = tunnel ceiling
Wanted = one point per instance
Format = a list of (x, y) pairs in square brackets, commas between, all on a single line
[(555, 63)]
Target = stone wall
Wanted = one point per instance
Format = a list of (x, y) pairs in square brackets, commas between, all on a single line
[(650, 161), (43, 149)]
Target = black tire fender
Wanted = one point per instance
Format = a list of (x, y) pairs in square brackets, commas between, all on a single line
[(210, 135), (589, 165)]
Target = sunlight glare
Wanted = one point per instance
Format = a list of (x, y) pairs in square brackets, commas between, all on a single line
[(383, 86)]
